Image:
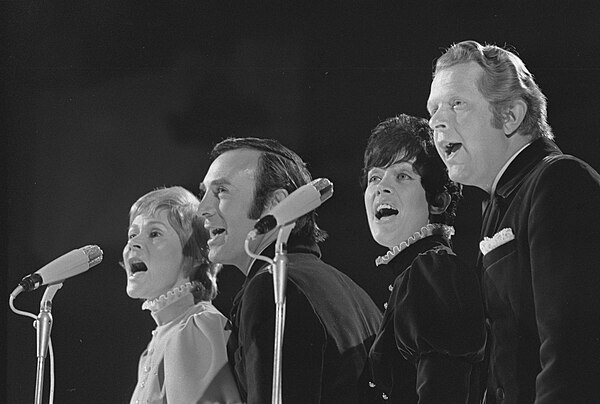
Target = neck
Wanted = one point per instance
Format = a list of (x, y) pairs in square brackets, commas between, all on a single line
[(514, 153), (515, 144)]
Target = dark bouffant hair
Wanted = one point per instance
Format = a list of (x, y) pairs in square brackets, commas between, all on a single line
[(405, 137)]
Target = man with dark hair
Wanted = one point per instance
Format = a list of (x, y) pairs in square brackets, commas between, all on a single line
[(538, 262), (330, 321)]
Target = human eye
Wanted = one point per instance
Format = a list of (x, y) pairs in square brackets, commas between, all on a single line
[(373, 177), (131, 235), (219, 190), (404, 176), (458, 104), (154, 233)]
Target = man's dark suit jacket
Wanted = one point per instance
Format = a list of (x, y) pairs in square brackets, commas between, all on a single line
[(329, 328), (542, 289)]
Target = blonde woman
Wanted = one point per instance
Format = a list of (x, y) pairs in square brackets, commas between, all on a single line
[(166, 265)]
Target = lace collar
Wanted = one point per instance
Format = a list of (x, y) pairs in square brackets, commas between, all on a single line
[(426, 231), (171, 296)]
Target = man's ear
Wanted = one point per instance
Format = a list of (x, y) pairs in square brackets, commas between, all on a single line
[(441, 203), (276, 197), (513, 116)]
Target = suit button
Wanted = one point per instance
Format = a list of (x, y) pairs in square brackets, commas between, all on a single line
[(500, 394)]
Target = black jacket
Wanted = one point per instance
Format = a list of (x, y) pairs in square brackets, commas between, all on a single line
[(542, 289), (330, 326)]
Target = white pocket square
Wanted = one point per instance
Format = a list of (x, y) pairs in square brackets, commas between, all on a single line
[(502, 237)]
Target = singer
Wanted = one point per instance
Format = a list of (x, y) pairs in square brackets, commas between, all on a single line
[(166, 265), (431, 344), (330, 322)]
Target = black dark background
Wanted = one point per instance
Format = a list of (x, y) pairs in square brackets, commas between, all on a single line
[(106, 100)]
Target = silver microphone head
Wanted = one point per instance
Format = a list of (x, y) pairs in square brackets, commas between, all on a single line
[(324, 186), (94, 254)]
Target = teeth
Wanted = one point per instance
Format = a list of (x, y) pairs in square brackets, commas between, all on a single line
[(385, 210), (384, 206)]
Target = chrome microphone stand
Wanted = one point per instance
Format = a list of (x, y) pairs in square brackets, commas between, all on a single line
[(43, 326), (279, 270)]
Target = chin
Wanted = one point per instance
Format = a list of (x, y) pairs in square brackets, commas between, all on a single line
[(133, 292), (215, 257), (460, 174), (383, 241)]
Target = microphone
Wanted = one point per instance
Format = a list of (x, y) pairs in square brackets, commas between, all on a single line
[(66, 266), (303, 200)]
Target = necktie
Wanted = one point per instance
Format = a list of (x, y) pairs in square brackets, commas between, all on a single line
[(491, 216)]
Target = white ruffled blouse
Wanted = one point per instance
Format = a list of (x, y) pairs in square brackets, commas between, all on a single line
[(186, 360)]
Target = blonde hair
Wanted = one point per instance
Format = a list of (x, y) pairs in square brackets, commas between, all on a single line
[(182, 214)]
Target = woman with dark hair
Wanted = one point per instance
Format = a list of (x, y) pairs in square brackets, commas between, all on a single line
[(166, 265), (431, 342)]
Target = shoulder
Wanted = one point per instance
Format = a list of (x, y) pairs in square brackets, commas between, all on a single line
[(438, 305), (203, 316), (564, 181), (437, 261), (438, 275), (260, 285), (565, 168)]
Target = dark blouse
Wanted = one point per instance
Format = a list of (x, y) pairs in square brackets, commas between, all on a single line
[(431, 343)]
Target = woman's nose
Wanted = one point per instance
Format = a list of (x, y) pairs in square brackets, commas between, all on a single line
[(383, 186), (134, 243), (383, 190)]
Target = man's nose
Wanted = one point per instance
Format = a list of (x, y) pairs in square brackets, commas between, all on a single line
[(206, 208), (438, 120)]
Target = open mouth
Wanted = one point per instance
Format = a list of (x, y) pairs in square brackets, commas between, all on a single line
[(452, 148), (137, 267), (216, 231), (385, 210)]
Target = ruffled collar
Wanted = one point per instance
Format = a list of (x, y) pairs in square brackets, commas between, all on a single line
[(171, 296), (426, 231)]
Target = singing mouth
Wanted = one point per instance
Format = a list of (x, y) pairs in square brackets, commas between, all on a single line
[(385, 210), (216, 231), (451, 149), (137, 266)]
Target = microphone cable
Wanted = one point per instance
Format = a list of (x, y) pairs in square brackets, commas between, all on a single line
[(251, 236), (50, 348)]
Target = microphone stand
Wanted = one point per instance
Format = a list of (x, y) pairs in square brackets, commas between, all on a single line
[(279, 270), (43, 326)]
